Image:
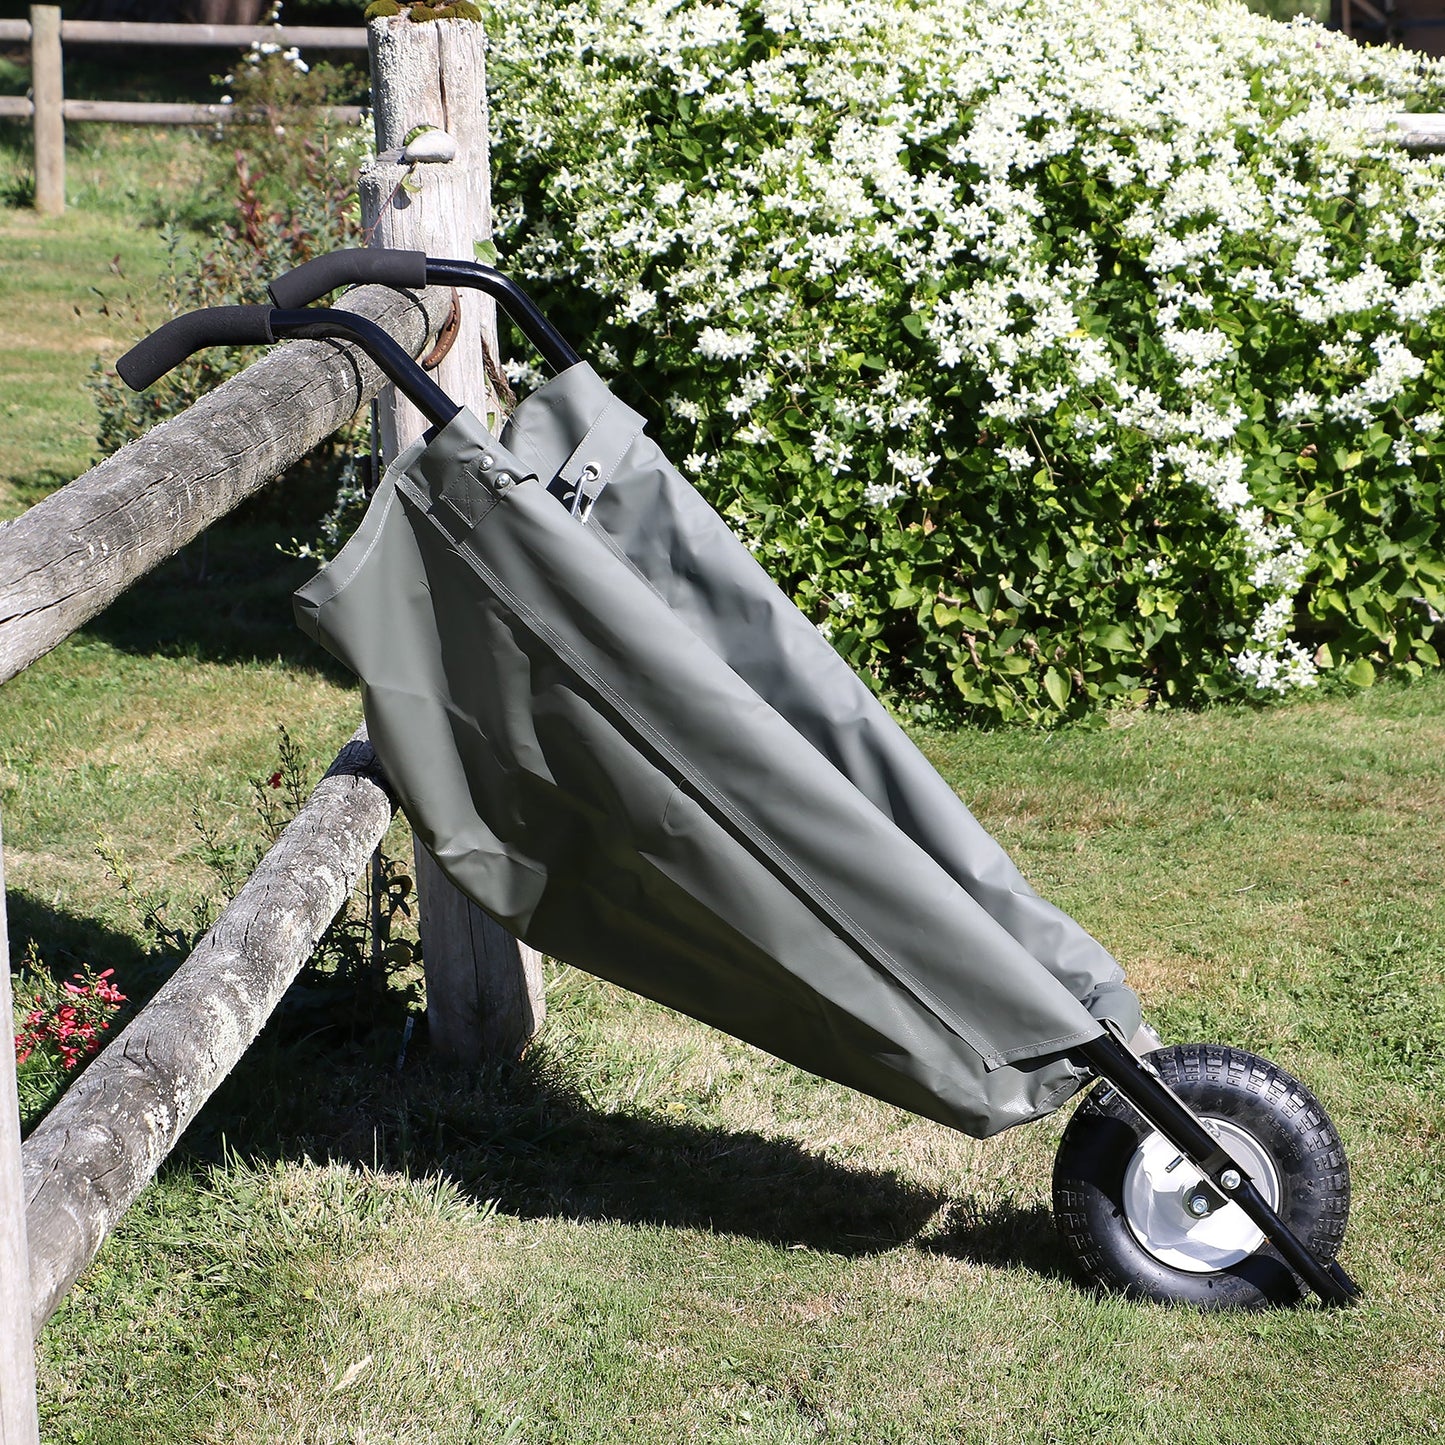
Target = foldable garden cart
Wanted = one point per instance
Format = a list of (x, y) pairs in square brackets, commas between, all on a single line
[(616, 735)]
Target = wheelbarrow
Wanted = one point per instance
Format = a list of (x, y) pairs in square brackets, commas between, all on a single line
[(618, 737)]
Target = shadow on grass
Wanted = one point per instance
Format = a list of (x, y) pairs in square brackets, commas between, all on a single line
[(322, 1083), (524, 1138), (62, 944), (225, 598), (1002, 1235), (66, 942)]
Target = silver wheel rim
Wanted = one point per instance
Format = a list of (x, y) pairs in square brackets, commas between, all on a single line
[(1160, 1186)]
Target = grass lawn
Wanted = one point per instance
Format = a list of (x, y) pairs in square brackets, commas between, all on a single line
[(645, 1231)]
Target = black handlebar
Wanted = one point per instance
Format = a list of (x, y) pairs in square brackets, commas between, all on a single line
[(412, 269), (164, 349), (359, 267), (149, 360)]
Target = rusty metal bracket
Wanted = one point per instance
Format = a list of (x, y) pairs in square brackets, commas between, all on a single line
[(447, 336)]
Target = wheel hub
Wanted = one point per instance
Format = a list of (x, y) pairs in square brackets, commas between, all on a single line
[(1177, 1214)]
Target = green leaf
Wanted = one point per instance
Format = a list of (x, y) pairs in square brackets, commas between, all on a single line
[(1057, 687), (1361, 672), (1113, 638)]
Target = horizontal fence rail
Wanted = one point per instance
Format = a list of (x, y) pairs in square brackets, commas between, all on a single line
[(1423, 132), (95, 1151), (76, 551), (152, 112), (145, 32), (60, 563), (47, 108)]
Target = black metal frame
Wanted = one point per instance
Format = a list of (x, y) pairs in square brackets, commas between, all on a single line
[(1162, 1109), (408, 269), (169, 345), (324, 323), (554, 348)]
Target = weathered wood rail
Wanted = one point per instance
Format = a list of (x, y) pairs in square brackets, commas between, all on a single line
[(95, 1151), (45, 32), (76, 551)]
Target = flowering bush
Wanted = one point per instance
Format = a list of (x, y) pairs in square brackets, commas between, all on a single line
[(58, 1026), (1052, 356)]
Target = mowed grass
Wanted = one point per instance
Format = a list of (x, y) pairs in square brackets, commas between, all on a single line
[(645, 1231), (77, 290)]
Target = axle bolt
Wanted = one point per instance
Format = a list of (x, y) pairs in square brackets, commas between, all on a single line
[(1198, 1205), (1230, 1179)]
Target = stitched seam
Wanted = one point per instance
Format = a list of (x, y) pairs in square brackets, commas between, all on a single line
[(622, 451), (565, 472), (339, 581)]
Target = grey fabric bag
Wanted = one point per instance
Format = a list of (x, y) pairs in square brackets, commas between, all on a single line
[(583, 763), (581, 439)]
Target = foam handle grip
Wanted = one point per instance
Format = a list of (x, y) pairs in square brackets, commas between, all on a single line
[(149, 360), (356, 267)]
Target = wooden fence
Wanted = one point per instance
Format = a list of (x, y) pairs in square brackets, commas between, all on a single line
[(1412, 24), (60, 564), (70, 555), (48, 109)]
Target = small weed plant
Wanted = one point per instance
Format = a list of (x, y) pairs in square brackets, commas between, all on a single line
[(290, 171), (363, 947), (60, 1024), (1056, 358)]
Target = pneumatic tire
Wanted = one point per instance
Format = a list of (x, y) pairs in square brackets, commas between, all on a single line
[(1124, 1200)]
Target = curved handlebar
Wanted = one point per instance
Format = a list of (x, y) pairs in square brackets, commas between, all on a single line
[(149, 360), (165, 348), (314, 279), (361, 266)]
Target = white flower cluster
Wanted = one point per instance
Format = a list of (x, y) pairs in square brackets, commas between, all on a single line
[(260, 49), (870, 158)]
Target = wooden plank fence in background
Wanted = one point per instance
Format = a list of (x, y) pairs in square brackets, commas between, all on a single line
[(45, 32)]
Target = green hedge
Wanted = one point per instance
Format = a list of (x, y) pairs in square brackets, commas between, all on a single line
[(1054, 356)]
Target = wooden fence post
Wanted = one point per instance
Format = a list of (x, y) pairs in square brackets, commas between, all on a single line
[(18, 1421), (484, 988), (47, 83)]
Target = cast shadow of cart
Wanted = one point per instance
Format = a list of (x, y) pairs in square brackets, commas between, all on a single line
[(225, 598), (1002, 1234), (526, 1140)]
